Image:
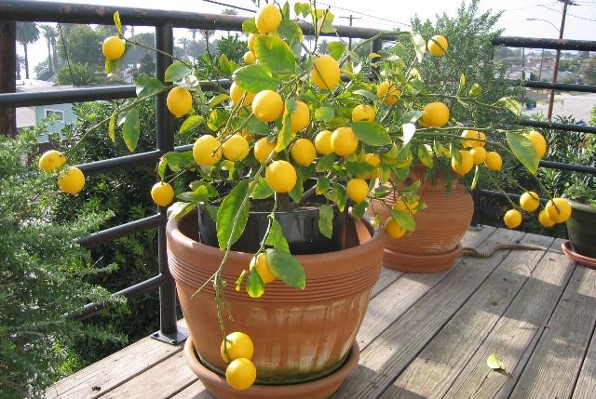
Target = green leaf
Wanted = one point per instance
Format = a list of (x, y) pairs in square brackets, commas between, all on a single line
[(112, 127), (511, 104), (336, 49), (524, 151), (296, 192), (179, 209), (118, 24), (229, 213), (255, 287), (249, 26), (275, 54), (419, 45), (177, 71), (411, 117), (425, 154), (257, 127), (225, 66), (216, 120), (261, 190), (494, 362), (462, 83), (325, 21), (285, 134), (276, 238), (131, 129), (326, 220), (287, 268), (147, 85), (254, 78), (324, 114), (366, 93), (302, 9), (475, 90), (476, 178), (371, 133), (359, 209), (404, 219), (111, 66), (408, 129), (179, 161), (325, 163), (218, 99), (239, 280), (162, 167), (292, 32), (191, 123)]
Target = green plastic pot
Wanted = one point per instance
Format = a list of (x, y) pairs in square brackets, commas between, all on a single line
[(581, 228)]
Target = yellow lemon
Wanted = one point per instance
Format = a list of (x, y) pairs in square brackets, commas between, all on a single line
[(113, 48), (325, 73), (344, 141), (162, 193), (268, 18), (363, 112), (303, 152), (388, 92), (71, 180), (437, 45), (281, 176), (267, 105), (206, 150), (179, 101), (51, 161)]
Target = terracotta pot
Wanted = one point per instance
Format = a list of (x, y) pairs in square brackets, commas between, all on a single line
[(435, 244), (299, 335)]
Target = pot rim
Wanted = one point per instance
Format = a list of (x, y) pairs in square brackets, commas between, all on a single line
[(582, 207)]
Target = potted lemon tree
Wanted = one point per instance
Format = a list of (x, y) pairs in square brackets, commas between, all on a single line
[(270, 244)]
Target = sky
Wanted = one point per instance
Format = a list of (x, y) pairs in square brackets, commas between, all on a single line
[(384, 14)]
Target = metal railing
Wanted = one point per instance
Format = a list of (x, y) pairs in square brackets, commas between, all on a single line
[(164, 22)]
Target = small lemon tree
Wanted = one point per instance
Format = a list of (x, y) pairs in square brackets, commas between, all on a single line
[(289, 118)]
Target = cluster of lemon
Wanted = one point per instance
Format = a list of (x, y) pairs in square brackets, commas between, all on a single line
[(237, 349), (71, 179)]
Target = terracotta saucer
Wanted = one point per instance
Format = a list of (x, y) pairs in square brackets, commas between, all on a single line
[(579, 259), (422, 263), (318, 389)]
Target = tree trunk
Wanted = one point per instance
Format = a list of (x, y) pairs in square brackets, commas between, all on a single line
[(50, 63), (26, 60), (8, 67)]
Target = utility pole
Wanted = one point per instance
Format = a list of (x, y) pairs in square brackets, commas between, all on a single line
[(558, 57), (350, 18)]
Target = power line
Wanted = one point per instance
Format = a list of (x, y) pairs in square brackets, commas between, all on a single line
[(219, 3), (365, 15)]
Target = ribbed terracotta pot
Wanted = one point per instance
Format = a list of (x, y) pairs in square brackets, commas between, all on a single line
[(435, 244), (299, 335)]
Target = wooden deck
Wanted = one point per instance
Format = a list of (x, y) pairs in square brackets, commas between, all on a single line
[(428, 335)]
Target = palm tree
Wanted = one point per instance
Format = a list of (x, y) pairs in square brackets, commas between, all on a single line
[(50, 34), (229, 11), (27, 32)]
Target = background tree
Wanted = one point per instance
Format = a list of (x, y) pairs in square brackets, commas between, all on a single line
[(49, 33), (27, 32), (8, 66), (78, 74), (81, 44)]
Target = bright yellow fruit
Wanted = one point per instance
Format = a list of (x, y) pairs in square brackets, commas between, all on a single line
[(374, 160), (512, 218), (529, 201), (237, 92), (268, 18), (71, 180), (476, 136), (344, 141), (238, 345), (51, 161), (281, 176), (437, 45), (263, 148), (478, 155), (558, 210), (363, 112), (544, 219), (303, 152), (493, 161), (267, 105), (207, 150), (249, 57), (323, 142), (325, 73), (241, 374), (179, 101), (465, 164), (434, 115), (300, 118), (408, 206), (262, 266), (235, 148), (393, 229), (357, 189), (538, 141), (162, 193), (112, 48), (388, 92)]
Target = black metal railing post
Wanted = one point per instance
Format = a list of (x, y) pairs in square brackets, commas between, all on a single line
[(168, 330)]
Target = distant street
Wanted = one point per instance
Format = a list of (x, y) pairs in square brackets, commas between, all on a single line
[(578, 105)]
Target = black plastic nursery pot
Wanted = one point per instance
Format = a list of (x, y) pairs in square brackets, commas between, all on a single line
[(581, 228)]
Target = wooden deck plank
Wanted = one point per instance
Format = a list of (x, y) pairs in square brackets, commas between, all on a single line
[(387, 277), (586, 383), (555, 363), (194, 391), (163, 381), (390, 353), (397, 298), (515, 335), (430, 375)]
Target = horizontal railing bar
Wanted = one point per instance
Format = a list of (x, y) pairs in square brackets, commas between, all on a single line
[(129, 292), (568, 166), (42, 11), (557, 126), (106, 165), (534, 84), (551, 44), (46, 97), (122, 230)]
